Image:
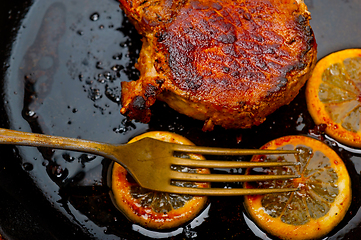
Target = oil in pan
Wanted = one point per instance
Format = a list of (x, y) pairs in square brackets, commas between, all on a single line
[(64, 79)]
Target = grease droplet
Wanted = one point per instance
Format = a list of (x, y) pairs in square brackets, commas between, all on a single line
[(28, 166), (94, 17)]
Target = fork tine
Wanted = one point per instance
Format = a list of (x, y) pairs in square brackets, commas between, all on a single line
[(227, 151), (225, 191), (226, 164), (226, 177)]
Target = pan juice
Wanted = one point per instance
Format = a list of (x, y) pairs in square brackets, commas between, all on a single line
[(64, 79)]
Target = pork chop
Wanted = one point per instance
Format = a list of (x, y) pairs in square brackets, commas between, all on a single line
[(228, 63)]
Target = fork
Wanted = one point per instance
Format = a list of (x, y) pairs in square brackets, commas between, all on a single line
[(149, 162)]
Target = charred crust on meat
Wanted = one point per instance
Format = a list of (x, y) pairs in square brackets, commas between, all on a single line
[(150, 91), (282, 82), (138, 103), (160, 82), (228, 63), (181, 50), (301, 19), (138, 110), (160, 36), (241, 104), (246, 16), (198, 5), (292, 40)]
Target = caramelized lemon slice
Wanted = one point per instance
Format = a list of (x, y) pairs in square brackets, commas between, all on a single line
[(323, 198), (157, 210), (333, 95)]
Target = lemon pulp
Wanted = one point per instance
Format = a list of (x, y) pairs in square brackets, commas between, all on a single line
[(340, 93), (321, 201), (317, 185)]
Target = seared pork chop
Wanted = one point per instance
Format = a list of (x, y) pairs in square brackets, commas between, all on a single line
[(228, 63)]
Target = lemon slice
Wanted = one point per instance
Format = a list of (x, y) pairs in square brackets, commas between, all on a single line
[(152, 209), (323, 198), (333, 95)]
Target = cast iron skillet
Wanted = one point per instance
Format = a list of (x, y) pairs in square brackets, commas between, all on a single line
[(47, 194), (25, 212)]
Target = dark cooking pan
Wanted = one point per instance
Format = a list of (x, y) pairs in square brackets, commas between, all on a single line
[(62, 64)]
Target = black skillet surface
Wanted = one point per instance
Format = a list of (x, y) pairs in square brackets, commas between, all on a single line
[(63, 62)]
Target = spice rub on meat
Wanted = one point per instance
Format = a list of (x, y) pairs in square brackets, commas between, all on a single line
[(228, 63)]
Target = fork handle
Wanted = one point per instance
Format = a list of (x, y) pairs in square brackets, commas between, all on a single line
[(8, 136)]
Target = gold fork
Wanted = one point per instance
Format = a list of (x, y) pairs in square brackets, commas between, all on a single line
[(149, 161)]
